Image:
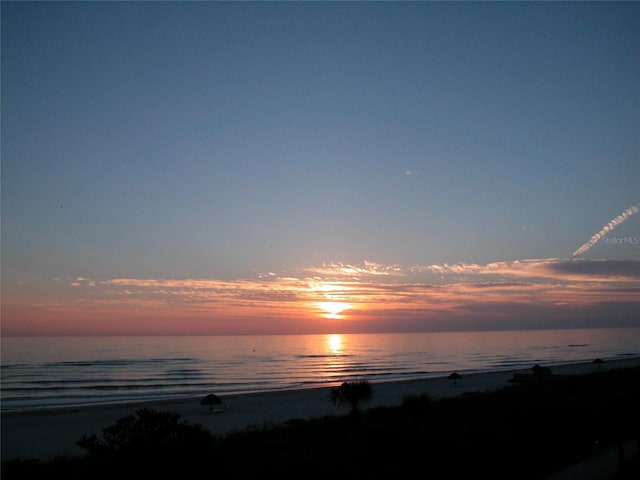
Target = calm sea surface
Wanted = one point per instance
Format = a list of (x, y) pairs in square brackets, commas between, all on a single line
[(66, 371)]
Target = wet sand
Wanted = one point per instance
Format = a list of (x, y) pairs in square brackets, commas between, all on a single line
[(45, 434)]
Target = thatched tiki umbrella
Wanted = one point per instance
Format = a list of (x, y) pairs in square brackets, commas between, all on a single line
[(455, 376), (540, 372), (211, 400)]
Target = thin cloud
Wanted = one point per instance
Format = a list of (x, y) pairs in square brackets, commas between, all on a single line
[(405, 297), (550, 268), (610, 269), (368, 284), (368, 268)]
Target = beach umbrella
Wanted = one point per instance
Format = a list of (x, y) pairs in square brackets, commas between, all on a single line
[(598, 362), (211, 400), (540, 372), (455, 376)]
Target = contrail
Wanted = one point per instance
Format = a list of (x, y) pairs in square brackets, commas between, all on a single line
[(607, 228)]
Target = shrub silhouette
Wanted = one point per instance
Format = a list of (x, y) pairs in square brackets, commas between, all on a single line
[(489, 434), (149, 438)]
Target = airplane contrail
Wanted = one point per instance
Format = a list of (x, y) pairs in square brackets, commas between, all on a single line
[(607, 228)]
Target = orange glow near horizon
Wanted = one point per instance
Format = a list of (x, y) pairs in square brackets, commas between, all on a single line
[(334, 299), (333, 309), (346, 302)]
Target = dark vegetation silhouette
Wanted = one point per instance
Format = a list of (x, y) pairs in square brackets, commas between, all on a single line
[(150, 441), (353, 394), (520, 431)]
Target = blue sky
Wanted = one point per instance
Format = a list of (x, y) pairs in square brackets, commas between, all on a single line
[(234, 141)]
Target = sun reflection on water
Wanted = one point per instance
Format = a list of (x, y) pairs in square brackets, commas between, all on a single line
[(334, 344), (335, 358)]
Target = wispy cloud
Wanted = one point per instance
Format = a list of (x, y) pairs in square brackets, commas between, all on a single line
[(374, 287), (527, 293), (549, 268), (368, 268), (370, 297)]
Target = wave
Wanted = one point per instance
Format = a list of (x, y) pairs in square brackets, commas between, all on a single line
[(159, 368)]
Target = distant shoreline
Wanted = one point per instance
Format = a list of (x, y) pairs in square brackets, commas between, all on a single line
[(46, 433)]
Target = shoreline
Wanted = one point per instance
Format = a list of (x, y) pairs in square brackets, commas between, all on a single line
[(47, 433)]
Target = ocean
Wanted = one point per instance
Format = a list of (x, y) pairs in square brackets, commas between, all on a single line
[(48, 372)]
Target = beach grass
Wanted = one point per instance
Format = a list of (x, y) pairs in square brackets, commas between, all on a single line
[(525, 430)]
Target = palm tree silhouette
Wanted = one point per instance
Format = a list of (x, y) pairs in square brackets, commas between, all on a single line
[(352, 393)]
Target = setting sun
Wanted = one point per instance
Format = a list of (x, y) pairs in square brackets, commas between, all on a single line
[(333, 309)]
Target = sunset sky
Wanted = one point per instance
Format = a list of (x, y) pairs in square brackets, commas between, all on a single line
[(305, 167)]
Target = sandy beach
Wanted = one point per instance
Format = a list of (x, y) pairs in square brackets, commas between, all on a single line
[(44, 434)]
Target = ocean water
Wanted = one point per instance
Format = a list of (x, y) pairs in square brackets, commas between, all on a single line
[(71, 371)]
